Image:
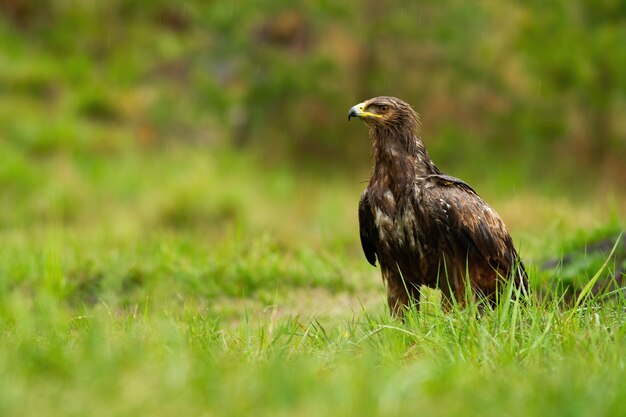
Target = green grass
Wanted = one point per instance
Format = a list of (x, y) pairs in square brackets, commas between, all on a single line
[(207, 283), (517, 360)]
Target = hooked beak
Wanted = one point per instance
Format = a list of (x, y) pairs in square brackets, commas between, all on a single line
[(358, 110)]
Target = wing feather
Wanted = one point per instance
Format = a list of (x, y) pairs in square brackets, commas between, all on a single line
[(367, 228), (469, 222)]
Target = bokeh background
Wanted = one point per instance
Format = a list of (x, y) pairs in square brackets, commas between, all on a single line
[(150, 147)]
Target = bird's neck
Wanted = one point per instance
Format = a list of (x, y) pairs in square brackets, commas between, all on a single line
[(401, 157)]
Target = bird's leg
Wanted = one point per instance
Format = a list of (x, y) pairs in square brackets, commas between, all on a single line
[(446, 298), (456, 288), (398, 300), (401, 295)]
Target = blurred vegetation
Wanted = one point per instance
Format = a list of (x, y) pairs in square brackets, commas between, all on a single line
[(128, 116), (492, 80), (226, 121)]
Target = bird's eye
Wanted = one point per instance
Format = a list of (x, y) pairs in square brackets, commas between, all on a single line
[(383, 108)]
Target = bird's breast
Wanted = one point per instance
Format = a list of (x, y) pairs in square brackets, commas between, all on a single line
[(384, 215), (397, 225)]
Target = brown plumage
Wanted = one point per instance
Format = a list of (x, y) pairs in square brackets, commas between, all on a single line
[(424, 227)]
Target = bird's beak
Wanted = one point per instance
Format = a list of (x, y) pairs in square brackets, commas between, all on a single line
[(358, 110)]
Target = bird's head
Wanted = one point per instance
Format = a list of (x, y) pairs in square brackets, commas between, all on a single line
[(386, 112)]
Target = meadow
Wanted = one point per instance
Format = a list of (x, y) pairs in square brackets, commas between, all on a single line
[(178, 209), (203, 283)]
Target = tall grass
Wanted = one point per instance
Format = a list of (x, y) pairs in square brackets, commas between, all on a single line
[(521, 358)]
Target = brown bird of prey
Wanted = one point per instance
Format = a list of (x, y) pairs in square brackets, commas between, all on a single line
[(425, 227)]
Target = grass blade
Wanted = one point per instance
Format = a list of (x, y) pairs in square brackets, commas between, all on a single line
[(587, 289)]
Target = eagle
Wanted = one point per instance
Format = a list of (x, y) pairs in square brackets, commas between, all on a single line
[(426, 228)]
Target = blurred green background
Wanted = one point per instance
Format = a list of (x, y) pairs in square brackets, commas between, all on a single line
[(531, 82), (204, 146)]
